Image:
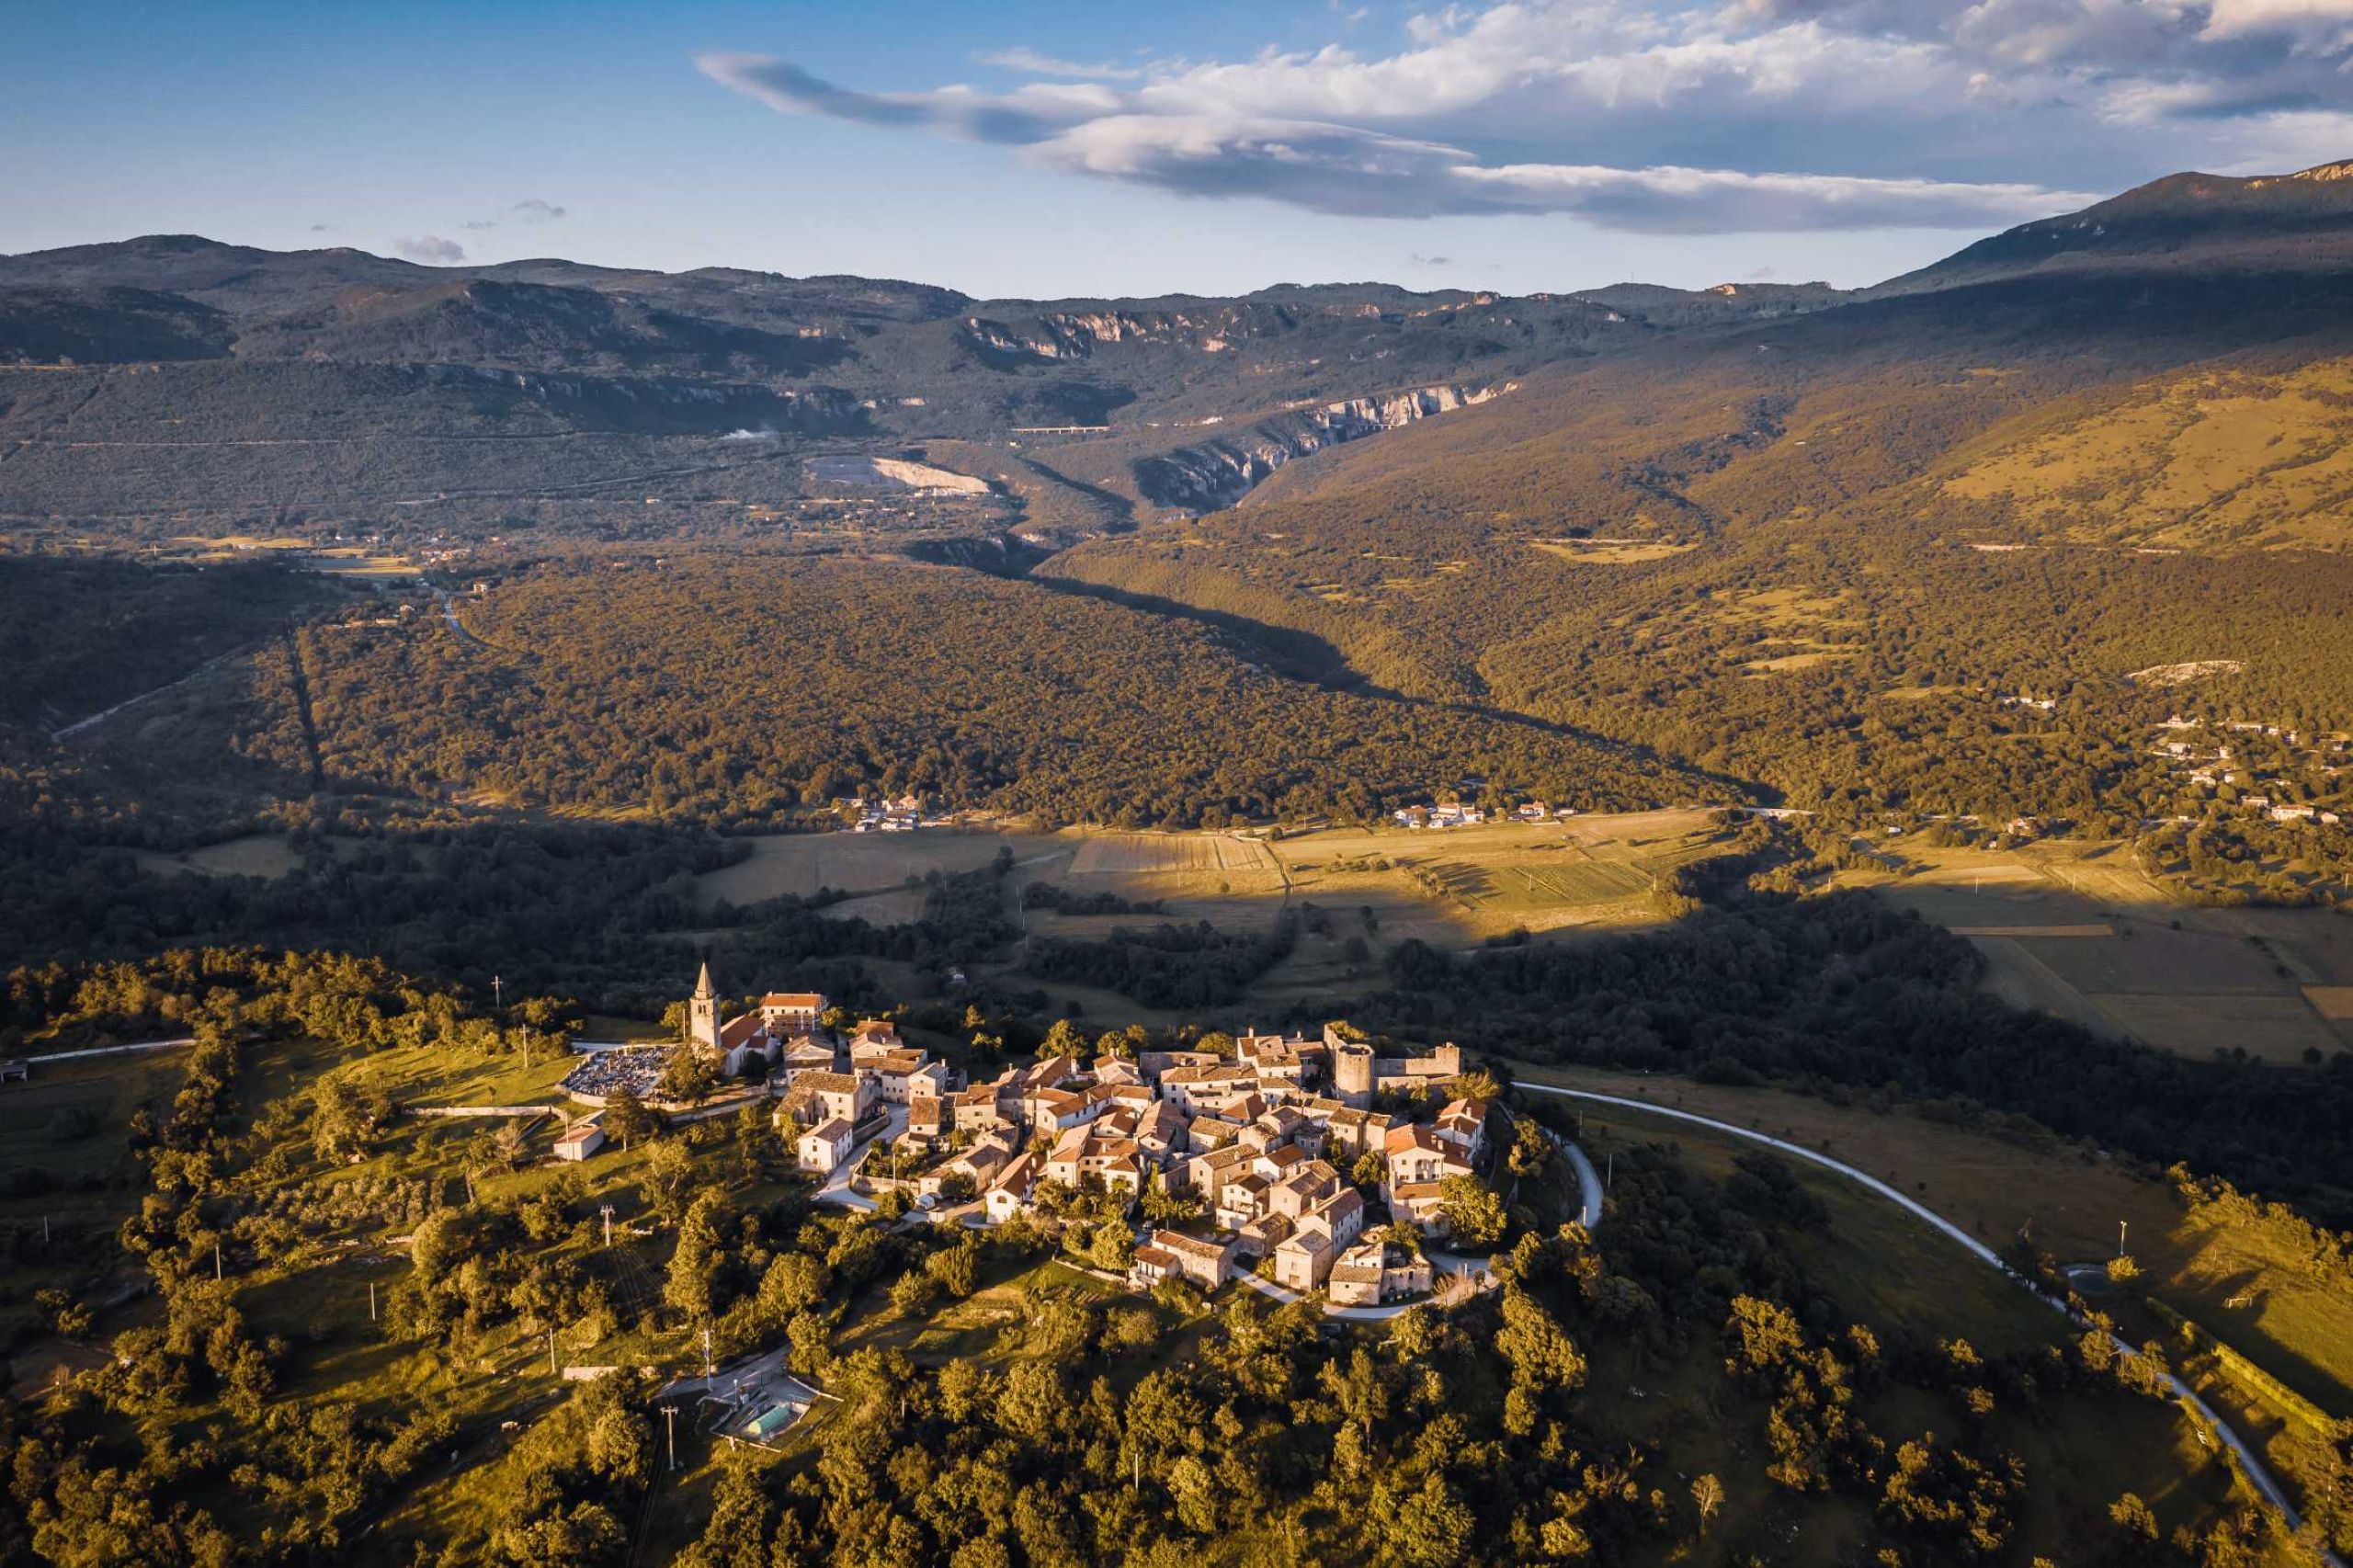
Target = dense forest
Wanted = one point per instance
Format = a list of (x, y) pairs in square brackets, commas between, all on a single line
[(740, 688)]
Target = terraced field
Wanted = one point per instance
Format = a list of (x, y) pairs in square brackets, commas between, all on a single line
[(2077, 931)]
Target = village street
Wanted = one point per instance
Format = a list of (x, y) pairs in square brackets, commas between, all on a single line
[(838, 1189)]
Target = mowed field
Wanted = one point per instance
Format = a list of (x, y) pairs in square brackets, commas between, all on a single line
[(800, 863), (2076, 930), (265, 855), (1461, 885), (1364, 890), (1452, 888)]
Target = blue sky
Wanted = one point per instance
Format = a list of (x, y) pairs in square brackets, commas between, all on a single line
[(1054, 149)]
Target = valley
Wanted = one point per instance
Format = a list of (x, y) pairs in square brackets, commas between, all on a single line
[(1145, 748)]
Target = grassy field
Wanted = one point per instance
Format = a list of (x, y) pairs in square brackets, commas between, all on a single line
[(265, 855), (1372, 887), (800, 863), (71, 1179), (336, 560), (1611, 552), (2077, 930), (1459, 886), (429, 1075), (1587, 875), (2070, 1201)]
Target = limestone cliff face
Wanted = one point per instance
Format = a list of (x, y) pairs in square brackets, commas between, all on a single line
[(1066, 335), (1215, 475)]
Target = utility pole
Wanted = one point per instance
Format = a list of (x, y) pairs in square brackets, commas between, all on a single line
[(498, 995), (216, 1262), (2119, 1238), (1610, 1180), (551, 1371), (608, 1212), (371, 1300), (708, 1372), (670, 1426)]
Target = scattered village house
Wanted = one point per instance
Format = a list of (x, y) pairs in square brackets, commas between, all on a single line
[(1362, 1277), (822, 1148), (1171, 1255)]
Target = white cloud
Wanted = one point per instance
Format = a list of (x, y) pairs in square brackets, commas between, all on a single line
[(431, 249), (531, 210), (1716, 116), (1669, 200), (1020, 57)]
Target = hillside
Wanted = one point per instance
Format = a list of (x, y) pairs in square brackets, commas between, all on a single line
[(2219, 224), (358, 1320)]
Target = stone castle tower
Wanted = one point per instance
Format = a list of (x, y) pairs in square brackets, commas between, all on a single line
[(1353, 1070), (702, 1013)]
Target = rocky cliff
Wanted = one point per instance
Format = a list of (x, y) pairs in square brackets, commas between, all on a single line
[(1215, 475)]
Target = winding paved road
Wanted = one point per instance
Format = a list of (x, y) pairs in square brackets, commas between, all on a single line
[(2250, 1463)]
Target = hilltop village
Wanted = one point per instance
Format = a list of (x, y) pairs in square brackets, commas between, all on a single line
[(1313, 1163)]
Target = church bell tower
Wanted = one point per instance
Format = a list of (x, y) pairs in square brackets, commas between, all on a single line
[(702, 1013)]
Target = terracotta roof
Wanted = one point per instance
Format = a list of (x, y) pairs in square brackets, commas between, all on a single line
[(826, 1083), (1017, 1176), (1340, 1205), (1194, 1246), (1221, 1072), (804, 1000), (735, 1031), (1156, 1257), (833, 1130)]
